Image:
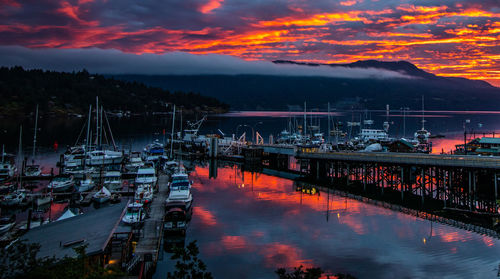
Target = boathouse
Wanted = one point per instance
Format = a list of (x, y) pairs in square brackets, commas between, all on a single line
[(98, 229)]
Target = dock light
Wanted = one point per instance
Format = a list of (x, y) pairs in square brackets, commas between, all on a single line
[(243, 185), (424, 240), (338, 215)]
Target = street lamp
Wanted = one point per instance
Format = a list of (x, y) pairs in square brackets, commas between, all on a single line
[(404, 109)]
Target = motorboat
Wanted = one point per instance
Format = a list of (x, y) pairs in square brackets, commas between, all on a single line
[(81, 171), (85, 184), (135, 214), (61, 184), (144, 193), (102, 195), (104, 157), (180, 191), (7, 223), (7, 171), (146, 175), (32, 171), (170, 166), (134, 163), (75, 156), (15, 198), (112, 180), (175, 220), (153, 151)]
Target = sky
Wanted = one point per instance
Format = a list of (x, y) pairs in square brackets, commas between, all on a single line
[(445, 37)]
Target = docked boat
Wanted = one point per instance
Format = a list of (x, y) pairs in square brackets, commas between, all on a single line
[(144, 193), (81, 171), (7, 171), (7, 223), (146, 175), (102, 195), (134, 163), (175, 220), (153, 151), (180, 190), (15, 198), (75, 156), (135, 214), (32, 171), (112, 180), (85, 184), (61, 184), (104, 157)]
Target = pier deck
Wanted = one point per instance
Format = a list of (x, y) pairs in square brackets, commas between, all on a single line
[(148, 247)]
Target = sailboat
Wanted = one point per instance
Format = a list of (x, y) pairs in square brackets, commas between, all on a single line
[(7, 166), (102, 195), (33, 170), (422, 135)]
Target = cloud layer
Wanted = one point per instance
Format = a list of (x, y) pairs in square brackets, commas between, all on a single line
[(452, 38), (172, 63)]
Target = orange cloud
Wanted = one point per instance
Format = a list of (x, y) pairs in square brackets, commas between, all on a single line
[(210, 6)]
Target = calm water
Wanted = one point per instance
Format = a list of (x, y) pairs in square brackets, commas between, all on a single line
[(249, 224)]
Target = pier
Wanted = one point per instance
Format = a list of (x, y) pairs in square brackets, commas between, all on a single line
[(148, 246), (464, 183)]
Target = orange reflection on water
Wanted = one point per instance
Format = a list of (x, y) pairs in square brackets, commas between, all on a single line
[(207, 217)]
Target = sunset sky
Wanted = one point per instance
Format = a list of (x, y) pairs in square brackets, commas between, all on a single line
[(449, 38)]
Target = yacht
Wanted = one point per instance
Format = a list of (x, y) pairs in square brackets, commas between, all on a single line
[(175, 219), (7, 171), (112, 180), (104, 157), (146, 175), (180, 190), (373, 135), (74, 156), (153, 151), (135, 214), (61, 184), (134, 163)]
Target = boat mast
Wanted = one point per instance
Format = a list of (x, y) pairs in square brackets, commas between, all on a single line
[(102, 127), (3, 152), (34, 135), (172, 138), (87, 143), (97, 120), (19, 155), (423, 113), (305, 119), (328, 121)]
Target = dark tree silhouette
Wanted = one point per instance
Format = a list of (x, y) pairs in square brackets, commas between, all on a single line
[(188, 265)]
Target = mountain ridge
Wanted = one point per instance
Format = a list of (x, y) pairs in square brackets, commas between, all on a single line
[(268, 92)]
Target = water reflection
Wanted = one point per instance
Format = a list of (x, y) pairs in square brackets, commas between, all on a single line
[(248, 224)]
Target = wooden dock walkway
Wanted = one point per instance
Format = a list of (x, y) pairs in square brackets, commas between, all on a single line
[(148, 247)]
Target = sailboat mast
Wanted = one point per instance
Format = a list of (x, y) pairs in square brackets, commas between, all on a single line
[(423, 117), (305, 119), (172, 138), (87, 143), (328, 121), (19, 154), (97, 120), (102, 127), (3, 152), (34, 135)]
